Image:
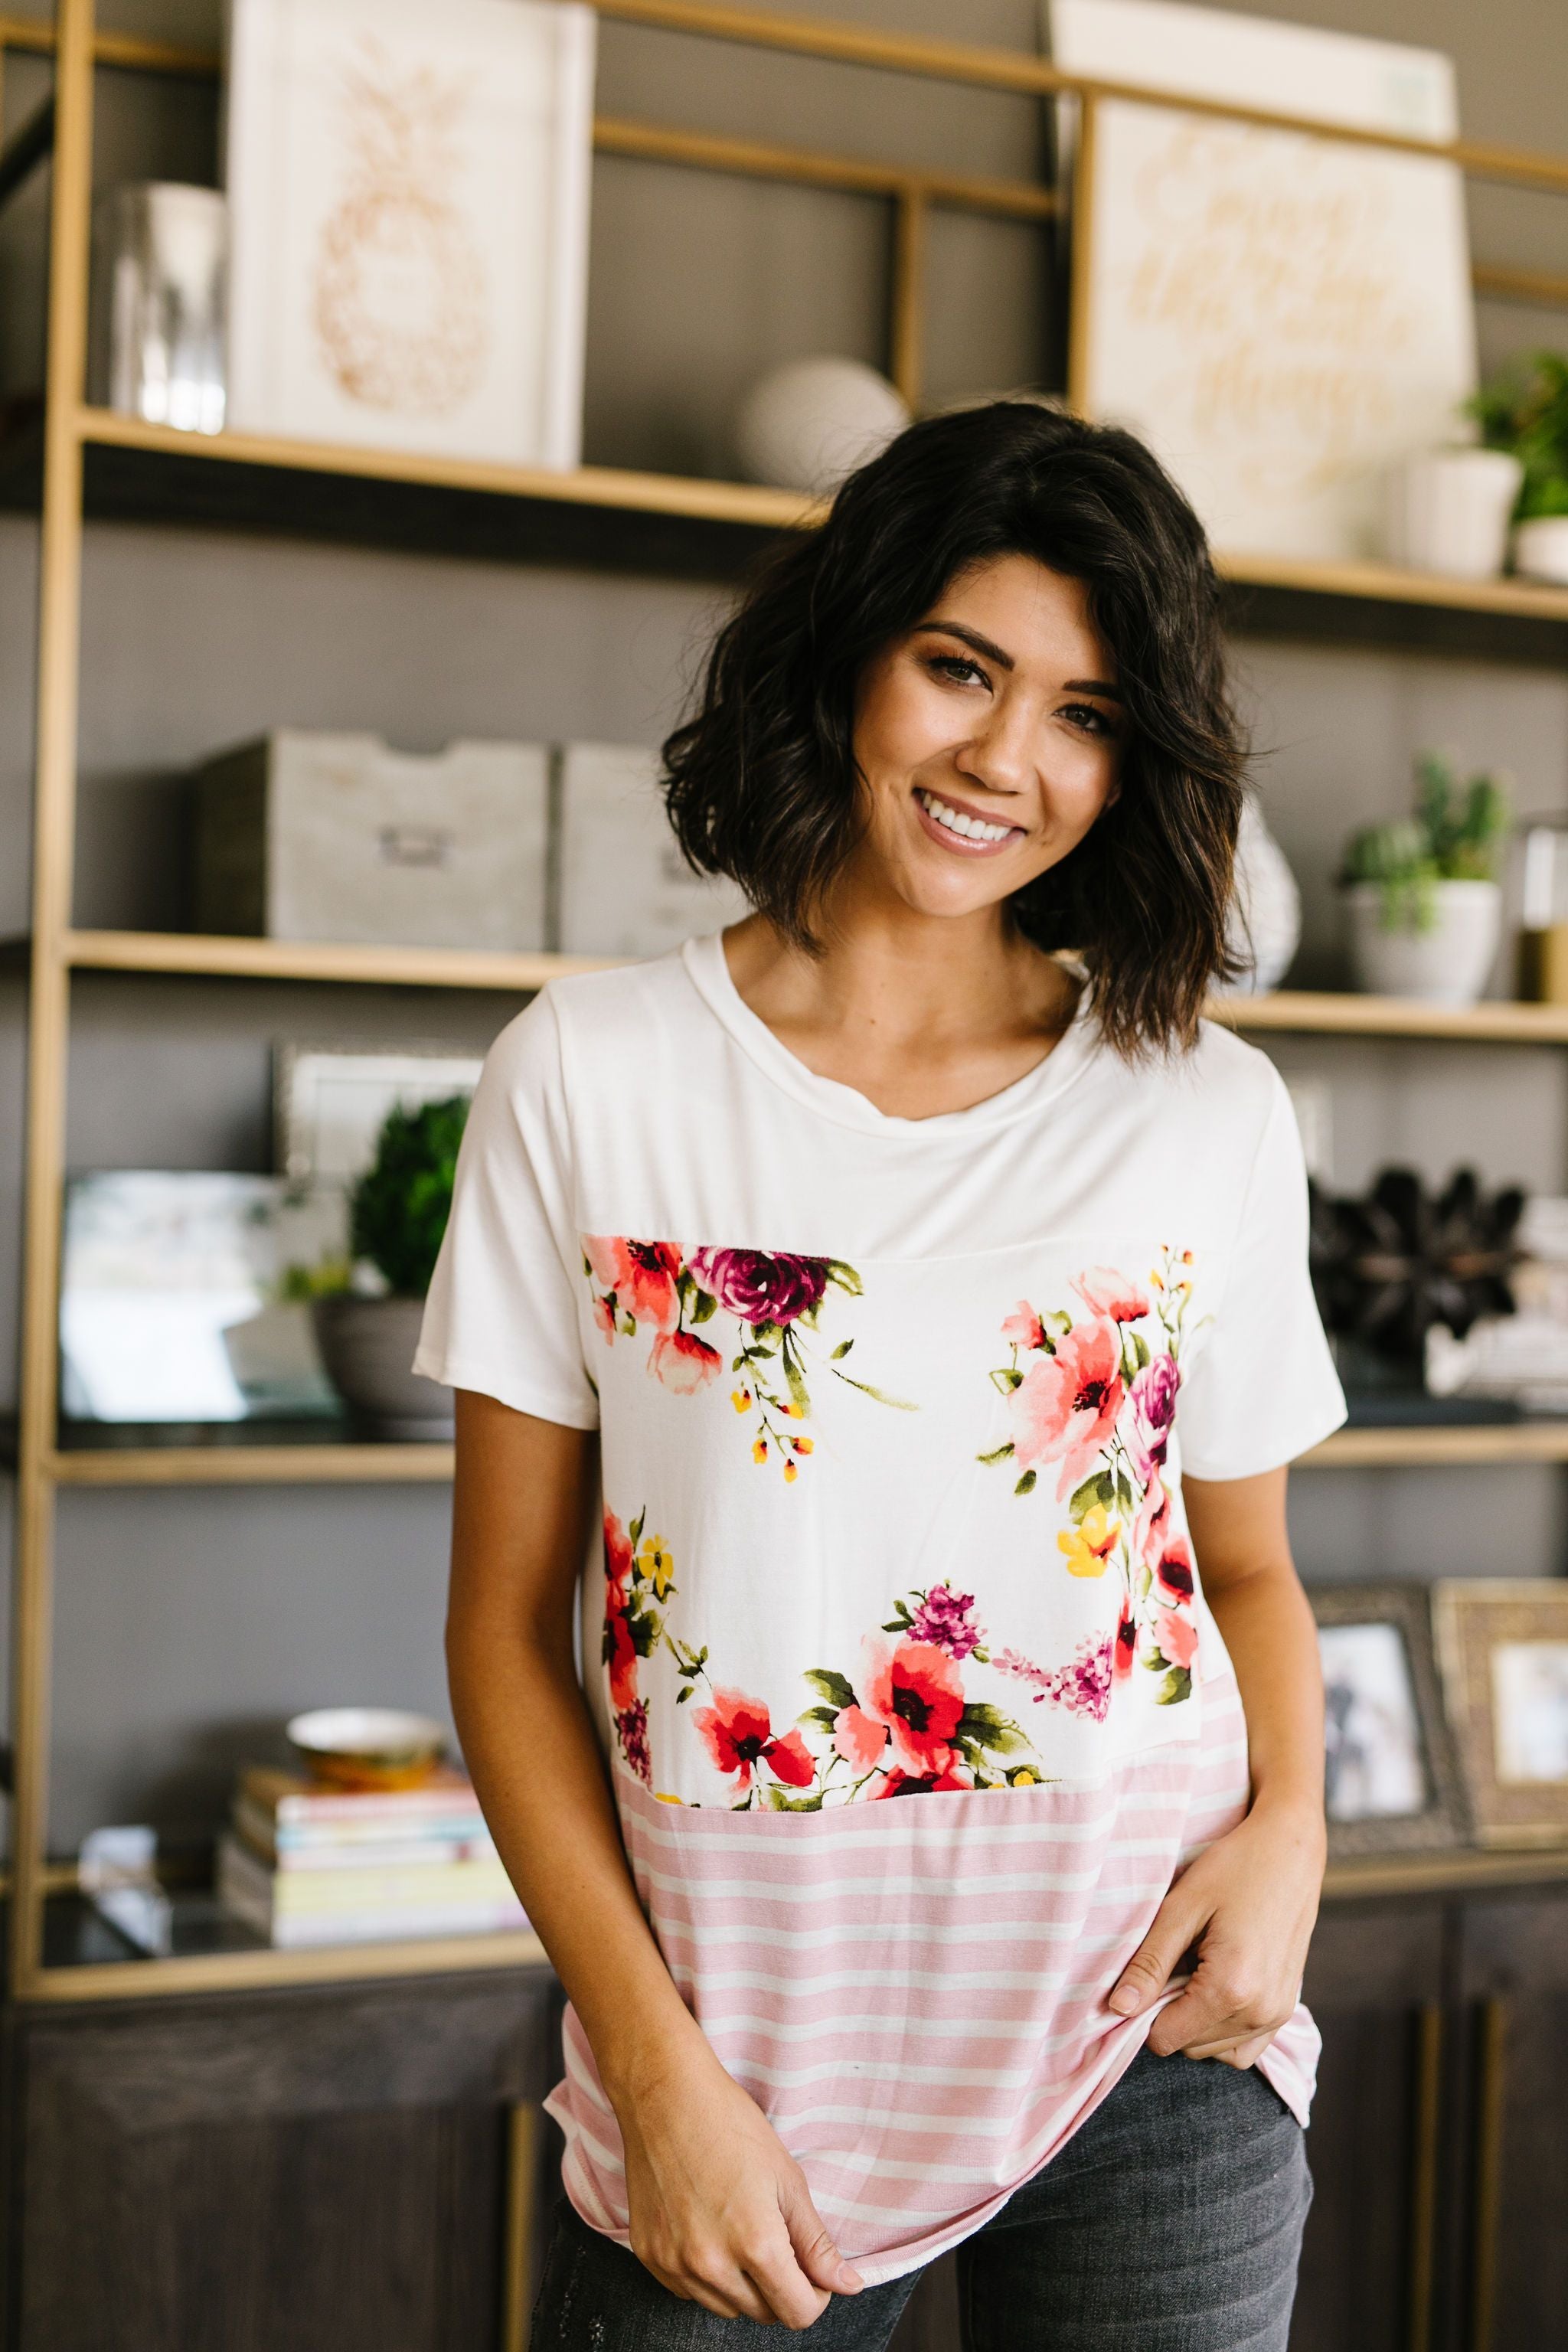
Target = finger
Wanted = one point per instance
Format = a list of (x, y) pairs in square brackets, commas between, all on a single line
[(788, 2295), (1247, 2054), (692, 2289), (767, 2260), (815, 2248), (1149, 1969), (710, 2277), (731, 2293), (1204, 2012)]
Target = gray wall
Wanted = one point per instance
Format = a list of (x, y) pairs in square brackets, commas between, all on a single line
[(189, 1623)]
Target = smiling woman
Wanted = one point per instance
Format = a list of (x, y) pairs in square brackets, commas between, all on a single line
[(940, 1307), (1067, 588)]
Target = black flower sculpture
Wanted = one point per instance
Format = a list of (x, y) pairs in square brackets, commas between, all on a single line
[(1388, 1266)]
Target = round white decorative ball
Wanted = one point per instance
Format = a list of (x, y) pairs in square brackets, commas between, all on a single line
[(804, 426)]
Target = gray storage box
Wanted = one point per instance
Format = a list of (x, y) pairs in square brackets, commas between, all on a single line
[(626, 889), (329, 837)]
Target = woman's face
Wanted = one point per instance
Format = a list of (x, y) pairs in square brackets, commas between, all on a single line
[(988, 738)]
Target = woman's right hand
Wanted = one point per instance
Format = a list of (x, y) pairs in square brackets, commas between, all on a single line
[(721, 2213)]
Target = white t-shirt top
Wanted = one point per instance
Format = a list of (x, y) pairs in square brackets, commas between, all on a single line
[(894, 1414)]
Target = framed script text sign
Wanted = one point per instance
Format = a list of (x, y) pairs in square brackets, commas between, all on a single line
[(408, 202), (1280, 316)]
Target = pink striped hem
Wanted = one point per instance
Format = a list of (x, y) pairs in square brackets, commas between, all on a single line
[(914, 1991)]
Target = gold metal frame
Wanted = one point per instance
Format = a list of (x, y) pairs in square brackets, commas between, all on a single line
[(55, 950)]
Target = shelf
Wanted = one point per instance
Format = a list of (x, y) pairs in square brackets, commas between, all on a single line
[(247, 1454), (86, 1960), (1460, 1871), (388, 967), (1305, 1012), (619, 517), (1323, 1014), (227, 1458), (1385, 584), (1477, 1442), (603, 518)]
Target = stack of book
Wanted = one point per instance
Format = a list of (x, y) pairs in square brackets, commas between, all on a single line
[(303, 1864)]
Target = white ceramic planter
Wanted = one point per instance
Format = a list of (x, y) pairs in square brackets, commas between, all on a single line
[(367, 1346), (1265, 926), (1541, 548), (1447, 511), (1448, 964)]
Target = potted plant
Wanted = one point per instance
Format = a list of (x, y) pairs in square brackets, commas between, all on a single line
[(367, 1321), (1525, 412), (1422, 894)]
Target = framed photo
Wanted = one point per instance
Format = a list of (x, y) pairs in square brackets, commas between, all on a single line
[(408, 223), (170, 1305), (1503, 1643), (1392, 1781), (1281, 316), (330, 1102)]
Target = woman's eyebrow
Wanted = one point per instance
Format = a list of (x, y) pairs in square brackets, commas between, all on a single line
[(1004, 660), (969, 637)]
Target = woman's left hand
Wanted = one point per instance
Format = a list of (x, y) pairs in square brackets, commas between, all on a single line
[(1247, 1906)]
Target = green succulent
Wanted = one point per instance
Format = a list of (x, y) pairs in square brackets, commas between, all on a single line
[(1454, 835), (1525, 412), (399, 1207)]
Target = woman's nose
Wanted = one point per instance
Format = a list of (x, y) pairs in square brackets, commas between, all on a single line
[(999, 755)]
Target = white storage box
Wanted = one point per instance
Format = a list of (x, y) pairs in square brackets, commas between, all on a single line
[(626, 889), (328, 837)]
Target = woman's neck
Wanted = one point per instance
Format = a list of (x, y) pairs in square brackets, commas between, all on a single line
[(920, 1013)]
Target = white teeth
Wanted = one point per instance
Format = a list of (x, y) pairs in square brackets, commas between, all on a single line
[(971, 828)]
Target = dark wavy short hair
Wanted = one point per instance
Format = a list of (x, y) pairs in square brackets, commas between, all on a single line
[(760, 781)]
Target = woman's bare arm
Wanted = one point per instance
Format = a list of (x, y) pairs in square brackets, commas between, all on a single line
[(720, 2211), (1251, 1902)]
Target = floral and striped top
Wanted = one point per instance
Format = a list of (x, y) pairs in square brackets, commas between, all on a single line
[(893, 1417)]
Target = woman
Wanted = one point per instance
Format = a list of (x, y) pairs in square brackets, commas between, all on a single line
[(939, 1302)]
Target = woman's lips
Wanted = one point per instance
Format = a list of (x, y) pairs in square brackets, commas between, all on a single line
[(964, 845)]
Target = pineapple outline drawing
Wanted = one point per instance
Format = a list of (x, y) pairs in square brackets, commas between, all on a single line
[(399, 291)]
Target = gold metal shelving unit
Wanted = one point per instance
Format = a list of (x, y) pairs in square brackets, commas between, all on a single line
[(72, 433)]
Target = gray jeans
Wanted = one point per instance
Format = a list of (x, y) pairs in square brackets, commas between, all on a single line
[(1170, 2222)]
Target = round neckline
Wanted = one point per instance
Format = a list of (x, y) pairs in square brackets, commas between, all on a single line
[(708, 968)]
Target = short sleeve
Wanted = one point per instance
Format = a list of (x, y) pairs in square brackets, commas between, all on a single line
[(1263, 1386), (503, 1315)]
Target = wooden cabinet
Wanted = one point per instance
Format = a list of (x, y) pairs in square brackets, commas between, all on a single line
[(1375, 1984), (340, 2169), (1513, 1985), (1440, 2135), (323, 2171)]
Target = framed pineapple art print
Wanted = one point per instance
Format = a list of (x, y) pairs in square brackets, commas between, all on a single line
[(408, 220)]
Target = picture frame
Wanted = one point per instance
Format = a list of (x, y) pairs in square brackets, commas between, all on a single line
[(170, 1298), (408, 193), (1502, 1648), (1282, 317), (1393, 1781), (330, 1100)]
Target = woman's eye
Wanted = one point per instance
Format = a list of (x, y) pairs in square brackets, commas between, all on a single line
[(1085, 715), (958, 669)]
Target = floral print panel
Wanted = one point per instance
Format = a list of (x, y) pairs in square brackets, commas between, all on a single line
[(757, 1659), (766, 1310), (1091, 1393)]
